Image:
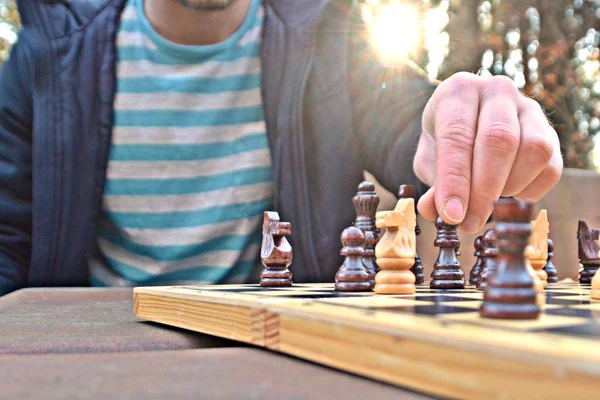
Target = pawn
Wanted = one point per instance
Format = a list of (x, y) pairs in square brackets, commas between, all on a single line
[(275, 252), (447, 273), (476, 270), (353, 275), (510, 292), (549, 267), (410, 192), (489, 254)]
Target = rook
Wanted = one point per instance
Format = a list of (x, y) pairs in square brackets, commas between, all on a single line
[(509, 293)]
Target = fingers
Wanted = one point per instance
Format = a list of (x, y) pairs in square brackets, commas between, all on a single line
[(454, 118), (537, 146), (546, 180), (495, 150), (426, 205)]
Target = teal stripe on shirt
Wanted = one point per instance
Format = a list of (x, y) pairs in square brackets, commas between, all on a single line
[(187, 152), (153, 187), (203, 273), (174, 253), (135, 53), (185, 118), (188, 85), (186, 219)]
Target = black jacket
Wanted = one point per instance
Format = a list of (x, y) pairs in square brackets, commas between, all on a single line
[(328, 118)]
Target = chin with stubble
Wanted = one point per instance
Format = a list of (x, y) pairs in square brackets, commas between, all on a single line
[(209, 5)]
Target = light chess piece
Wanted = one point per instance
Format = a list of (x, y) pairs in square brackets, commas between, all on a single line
[(539, 243), (396, 250)]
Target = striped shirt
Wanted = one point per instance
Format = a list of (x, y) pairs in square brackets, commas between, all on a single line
[(189, 170)]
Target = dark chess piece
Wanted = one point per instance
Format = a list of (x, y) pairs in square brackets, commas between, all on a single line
[(476, 270), (489, 254), (447, 273), (275, 252), (510, 292), (549, 267), (353, 275), (587, 240), (365, 203), (406, 192)]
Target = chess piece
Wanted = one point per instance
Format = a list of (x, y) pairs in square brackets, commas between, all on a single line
[(537, 282), (447, 273), (353, 275), (510, 292), (410, 192), (539, 243), (275, 252), (595, 292), (488, 254), (549, 267), (365, 203), (476, 270), (396, 250), (588, 252)]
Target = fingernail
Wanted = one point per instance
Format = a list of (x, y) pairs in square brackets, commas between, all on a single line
[(454, 210), (471, 223)]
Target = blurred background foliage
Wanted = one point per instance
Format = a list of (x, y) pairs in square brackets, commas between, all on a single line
[(548, 47)]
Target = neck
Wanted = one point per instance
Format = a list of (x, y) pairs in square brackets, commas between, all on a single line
[(195, 26)]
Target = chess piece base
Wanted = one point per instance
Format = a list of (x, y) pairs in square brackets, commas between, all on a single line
[(276, 277), (394, 288), (448, 279), (395, 282), (509, 311), (447, 284), (354, 286), (589, 270)]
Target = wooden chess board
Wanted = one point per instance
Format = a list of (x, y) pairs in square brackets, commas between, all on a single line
[(433, 341)]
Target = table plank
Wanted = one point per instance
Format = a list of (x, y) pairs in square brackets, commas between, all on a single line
[(225, 373), (85, 320)]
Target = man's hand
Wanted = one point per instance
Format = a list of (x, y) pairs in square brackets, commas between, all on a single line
[(483, 139)]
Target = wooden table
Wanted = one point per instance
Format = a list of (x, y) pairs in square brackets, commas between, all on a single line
[(85, 343)]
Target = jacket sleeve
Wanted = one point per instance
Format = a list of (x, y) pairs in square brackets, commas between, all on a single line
[(388, 104), (15, 168)]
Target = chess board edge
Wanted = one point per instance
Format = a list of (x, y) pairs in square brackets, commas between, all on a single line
[(455, 359)]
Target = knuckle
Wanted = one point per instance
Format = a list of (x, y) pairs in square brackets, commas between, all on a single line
[(537, 149), (456, 87), (499, 137), (503, 85), (552, 173), (531, 104)]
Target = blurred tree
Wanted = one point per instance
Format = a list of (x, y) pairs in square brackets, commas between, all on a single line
[(9, 25)]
